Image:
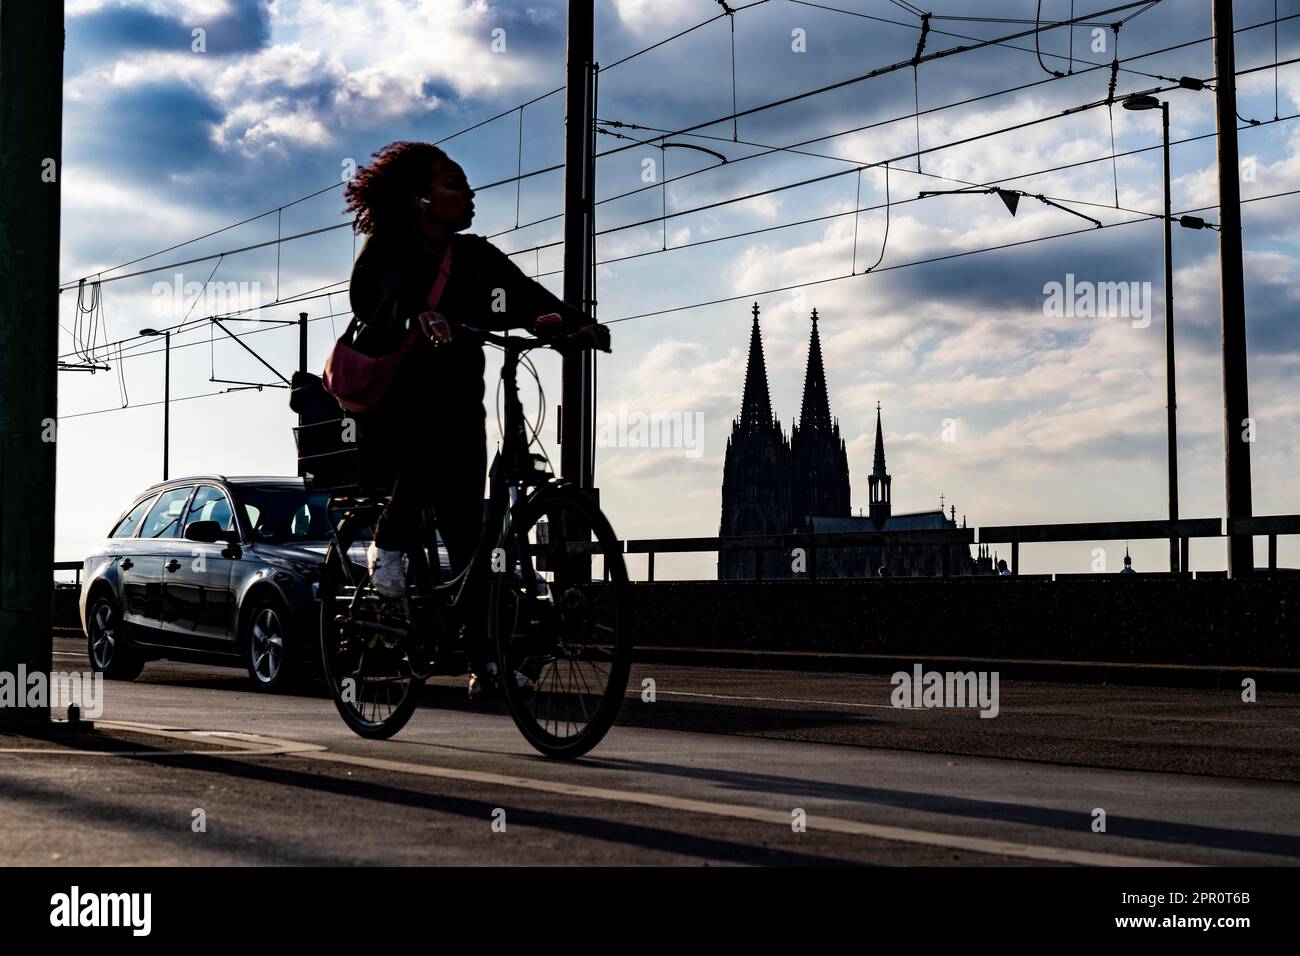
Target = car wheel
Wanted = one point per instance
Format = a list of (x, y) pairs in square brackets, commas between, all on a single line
[(268, 647), (107, 645)]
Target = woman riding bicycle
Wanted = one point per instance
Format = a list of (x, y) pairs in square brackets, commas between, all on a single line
[(428, 432)]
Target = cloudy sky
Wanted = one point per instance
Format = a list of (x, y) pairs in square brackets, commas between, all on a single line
[(1055, 417)]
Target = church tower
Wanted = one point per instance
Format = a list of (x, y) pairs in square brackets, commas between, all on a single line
[(879, 480), (755, 473), (819, 477)]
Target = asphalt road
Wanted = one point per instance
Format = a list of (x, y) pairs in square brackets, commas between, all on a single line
[(713, 771)]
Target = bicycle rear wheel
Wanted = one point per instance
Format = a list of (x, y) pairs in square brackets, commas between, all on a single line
[(562, 634), (365, 639)]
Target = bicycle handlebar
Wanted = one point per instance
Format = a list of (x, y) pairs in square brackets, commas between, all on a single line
[(561, 343)]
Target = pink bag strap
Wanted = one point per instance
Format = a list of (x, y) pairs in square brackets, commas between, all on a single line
[(435, 294), (440, 283)]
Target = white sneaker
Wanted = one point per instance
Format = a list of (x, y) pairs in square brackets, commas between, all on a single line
[(387, 571)]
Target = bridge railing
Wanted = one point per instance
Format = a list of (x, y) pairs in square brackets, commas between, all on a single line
[(1184, 529), (70, 566), (811, 542)]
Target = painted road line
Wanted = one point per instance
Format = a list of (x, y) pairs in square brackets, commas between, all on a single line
[(1046, 854), (773, 700), (253, 745), (242, 745)]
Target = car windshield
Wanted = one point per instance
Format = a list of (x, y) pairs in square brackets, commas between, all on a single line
[(284, 513)]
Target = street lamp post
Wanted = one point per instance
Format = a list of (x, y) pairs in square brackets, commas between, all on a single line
[(167, 390), (1148, 102)]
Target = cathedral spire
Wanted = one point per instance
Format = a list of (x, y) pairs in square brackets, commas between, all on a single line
[(879, 480), (756, 405), (878, 465), (816, 410)]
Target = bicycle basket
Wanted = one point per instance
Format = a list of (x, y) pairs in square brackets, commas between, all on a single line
[(329, 440)]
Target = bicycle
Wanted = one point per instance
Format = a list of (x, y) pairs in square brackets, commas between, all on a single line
[(562, 637)]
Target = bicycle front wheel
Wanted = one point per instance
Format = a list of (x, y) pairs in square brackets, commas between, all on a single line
[(558, 616), (364, 639)]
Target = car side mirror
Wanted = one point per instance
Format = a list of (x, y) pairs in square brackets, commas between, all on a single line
[(210, 532)]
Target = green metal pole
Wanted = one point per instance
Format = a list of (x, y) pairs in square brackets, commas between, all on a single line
[(31, 108)]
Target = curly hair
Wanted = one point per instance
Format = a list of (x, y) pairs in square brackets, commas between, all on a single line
[(379, 192)]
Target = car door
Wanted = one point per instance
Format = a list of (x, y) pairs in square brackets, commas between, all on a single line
[(197, 599), (155, 551), (123, 550)]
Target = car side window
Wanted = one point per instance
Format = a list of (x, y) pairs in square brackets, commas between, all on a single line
[(164, 520), (210, 504), (126, 527)]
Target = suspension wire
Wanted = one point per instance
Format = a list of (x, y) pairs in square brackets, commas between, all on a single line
[(735, 129), (1069, 70), (884, 242), (519, 167), (79, 320), (278, 233), (1110, 108), (857, 204), (121, 378), (1275, 24), (663, 189), (1038, 26), (916, 84)]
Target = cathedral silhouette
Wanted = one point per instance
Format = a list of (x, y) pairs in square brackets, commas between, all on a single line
[(775, 485)]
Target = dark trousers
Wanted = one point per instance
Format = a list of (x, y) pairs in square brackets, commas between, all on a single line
[(439, 460)]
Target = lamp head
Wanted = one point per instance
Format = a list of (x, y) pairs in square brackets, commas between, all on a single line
[(1141, 101), (150, 332)]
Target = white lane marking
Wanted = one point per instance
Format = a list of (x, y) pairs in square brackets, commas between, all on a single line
[(253, 745), (781, 818), (774, 700), (247, 745)]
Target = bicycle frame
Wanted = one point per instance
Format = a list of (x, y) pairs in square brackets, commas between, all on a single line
[(514, 471)]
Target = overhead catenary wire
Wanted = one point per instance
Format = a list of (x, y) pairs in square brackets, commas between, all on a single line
[(817, 178), (450, 136), (312, 232), (1011, 178), (885, 122), (786, 288), (1005, 179), (785, 101), (920, 262), (685, 131), (1074, 21)]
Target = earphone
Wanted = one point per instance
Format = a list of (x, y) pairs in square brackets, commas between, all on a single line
[(424, 201)]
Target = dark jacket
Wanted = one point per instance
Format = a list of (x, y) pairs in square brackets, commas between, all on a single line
[(390, 285)]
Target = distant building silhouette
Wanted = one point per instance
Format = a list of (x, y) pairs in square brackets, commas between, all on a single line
[(771, 485)]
